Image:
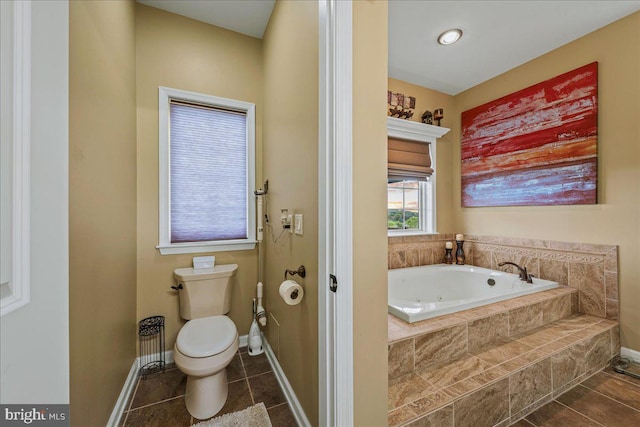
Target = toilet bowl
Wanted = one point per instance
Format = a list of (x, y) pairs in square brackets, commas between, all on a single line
[(207, 343), (203, 349)]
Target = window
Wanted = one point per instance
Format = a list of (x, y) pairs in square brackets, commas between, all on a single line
[(410, 206), (207, 173), (411, 189)]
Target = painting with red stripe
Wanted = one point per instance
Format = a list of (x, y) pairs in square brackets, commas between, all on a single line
[(534, 147)]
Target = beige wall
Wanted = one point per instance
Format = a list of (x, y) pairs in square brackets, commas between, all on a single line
[(428, 99), (185, 54), (102, 205), (615, 220), (291, 166), (369, 213)]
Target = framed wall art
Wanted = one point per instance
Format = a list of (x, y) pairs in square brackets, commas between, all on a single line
[(534, 147)]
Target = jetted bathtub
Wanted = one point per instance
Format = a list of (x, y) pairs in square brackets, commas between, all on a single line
[(419, 293)]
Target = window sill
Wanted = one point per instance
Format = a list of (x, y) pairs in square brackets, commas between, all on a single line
[(410, 233), (194, 248)]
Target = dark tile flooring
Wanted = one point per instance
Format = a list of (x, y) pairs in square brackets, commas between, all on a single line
[(606, 399), (158, 401)]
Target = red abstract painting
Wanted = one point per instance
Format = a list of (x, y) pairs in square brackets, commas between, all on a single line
[(537, 146)]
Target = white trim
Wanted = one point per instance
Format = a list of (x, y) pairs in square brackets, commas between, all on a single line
[(335, 253), (125, 395), (326, 299), (433, 227), (200, 247), (421, 132), (414, 131), (129, 388), (243, 341), (631, 354), (341, 107), (21, 236), (165, 246), (290, 395)]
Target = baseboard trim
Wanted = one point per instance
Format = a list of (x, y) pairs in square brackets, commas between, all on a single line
[(631, 354), (290, 395), (244, 340), (125, 395), (130, 383)]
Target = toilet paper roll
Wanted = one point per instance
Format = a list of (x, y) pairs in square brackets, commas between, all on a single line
[(291, 292)]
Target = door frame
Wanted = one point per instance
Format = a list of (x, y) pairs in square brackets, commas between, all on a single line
[(335, 247)]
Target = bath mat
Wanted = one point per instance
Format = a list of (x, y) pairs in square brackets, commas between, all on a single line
[(253, 416)]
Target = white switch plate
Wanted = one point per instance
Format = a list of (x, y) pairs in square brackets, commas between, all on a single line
[(299, 225)]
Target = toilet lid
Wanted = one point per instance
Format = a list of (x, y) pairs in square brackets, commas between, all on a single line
[(206, 336)]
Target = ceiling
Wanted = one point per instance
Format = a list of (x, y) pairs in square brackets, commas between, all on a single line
[(498, 35), (248, 17)]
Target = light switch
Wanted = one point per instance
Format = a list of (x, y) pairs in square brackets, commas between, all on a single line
[(299, 225)]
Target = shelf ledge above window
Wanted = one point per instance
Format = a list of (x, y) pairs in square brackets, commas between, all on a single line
[(414, 131), (200, 247)]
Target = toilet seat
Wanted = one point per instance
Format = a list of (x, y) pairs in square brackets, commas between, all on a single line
[(206, 336)]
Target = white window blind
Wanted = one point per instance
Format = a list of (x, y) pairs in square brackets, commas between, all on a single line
[(208, 166)]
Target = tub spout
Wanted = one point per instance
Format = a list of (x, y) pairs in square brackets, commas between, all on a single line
[(524, 275)]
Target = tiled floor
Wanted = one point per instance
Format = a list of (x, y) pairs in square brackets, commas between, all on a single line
[(606, 399), (158, 401)]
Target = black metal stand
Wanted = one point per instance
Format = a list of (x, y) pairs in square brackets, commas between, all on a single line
[(151, 337)]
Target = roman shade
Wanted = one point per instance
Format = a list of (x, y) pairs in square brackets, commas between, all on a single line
[(408, 160)]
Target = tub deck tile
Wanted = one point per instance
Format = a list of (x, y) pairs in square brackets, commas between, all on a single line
[(462, 388), (446, 373), (537, 337), (407, 389), (431, 402), (398, 329), (416, 398), (501, 351), (400, 416)]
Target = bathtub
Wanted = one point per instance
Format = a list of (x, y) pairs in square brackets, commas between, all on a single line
[(419, 293)]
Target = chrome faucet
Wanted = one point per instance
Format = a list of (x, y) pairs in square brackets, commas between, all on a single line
[(523, 271)]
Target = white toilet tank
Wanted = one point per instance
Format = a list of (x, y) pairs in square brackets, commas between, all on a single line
[(205, 292)]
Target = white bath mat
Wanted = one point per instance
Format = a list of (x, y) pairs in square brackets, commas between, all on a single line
[(253, 416)]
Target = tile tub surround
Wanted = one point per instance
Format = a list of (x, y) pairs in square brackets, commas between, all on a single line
[(503, 381), (519, 354), (591, 269)]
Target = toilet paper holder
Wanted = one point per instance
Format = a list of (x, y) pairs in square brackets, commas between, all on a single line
[(300, 272)]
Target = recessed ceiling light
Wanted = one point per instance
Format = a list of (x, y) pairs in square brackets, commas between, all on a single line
[(450, 36)]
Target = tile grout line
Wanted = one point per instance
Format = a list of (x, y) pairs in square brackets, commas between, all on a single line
[(609, 397), (578, 412), (244, 371), (246, 378), (156, 403), (279, 404), (621, 377), (253, 401)]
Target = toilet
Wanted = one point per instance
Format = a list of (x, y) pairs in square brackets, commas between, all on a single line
[(207, 343)]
